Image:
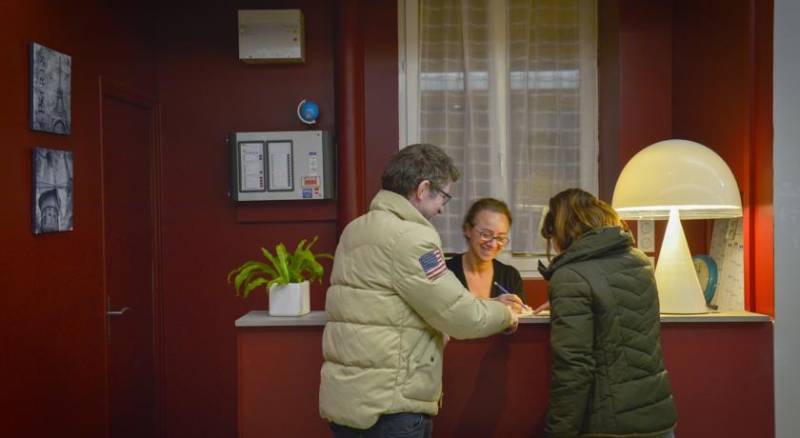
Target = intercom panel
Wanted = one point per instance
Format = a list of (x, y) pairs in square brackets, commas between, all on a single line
[(282, 165)]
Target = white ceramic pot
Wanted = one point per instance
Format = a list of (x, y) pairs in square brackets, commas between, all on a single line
[(289, 299)]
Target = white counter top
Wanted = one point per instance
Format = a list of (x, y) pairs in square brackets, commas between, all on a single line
[(715, 316), (261, 318)]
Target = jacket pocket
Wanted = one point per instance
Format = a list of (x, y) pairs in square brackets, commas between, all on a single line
[(424, 375)]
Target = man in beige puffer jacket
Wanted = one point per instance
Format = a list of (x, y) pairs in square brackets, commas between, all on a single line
[(392, 301)]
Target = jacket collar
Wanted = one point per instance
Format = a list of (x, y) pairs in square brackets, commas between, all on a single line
[(590, 245), (399, 206)]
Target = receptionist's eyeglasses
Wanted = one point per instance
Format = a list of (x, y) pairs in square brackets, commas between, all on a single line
[(487, 236)]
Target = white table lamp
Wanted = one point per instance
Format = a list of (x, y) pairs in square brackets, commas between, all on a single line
[(677, 179)]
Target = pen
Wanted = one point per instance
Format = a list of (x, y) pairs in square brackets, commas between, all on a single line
[(504, 291)]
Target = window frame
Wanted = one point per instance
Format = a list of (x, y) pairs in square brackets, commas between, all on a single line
[(409, 106)]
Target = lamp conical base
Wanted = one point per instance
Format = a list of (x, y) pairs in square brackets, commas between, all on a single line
[(678, 288)]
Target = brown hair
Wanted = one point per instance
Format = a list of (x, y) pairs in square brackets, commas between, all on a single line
[(572, 213), (482, 204)]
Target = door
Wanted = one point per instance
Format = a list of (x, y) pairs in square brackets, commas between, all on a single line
[(129, 229)]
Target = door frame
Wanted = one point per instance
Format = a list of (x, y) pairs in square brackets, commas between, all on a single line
[(120, 91)]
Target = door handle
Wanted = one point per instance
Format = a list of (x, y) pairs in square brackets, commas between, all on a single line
[(111, 314), (120, 312)]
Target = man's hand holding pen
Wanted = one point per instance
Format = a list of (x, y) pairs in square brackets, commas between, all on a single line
[(512, 301), (514, 318)]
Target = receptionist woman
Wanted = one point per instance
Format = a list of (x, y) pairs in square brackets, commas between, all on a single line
[(486, 227)]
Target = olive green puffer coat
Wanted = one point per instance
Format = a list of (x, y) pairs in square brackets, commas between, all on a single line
[(608, 376)]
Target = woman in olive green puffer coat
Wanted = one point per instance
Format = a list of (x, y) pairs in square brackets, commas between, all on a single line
[(608, 376)]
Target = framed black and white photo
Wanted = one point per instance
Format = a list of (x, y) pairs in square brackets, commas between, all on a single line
[(51, 73), (52, 190)]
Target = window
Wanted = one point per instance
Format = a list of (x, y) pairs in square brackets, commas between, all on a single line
[(508, 89)]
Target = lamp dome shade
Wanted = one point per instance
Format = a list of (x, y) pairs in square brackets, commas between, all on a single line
[(678, 174)]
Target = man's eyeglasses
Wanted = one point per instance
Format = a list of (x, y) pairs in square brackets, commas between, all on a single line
[(487, 236), (447, 197)]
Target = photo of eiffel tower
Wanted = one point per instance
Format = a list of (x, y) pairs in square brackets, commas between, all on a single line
[(51, 74)]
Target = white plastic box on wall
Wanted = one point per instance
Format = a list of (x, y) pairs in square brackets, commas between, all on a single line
[(271, 35)]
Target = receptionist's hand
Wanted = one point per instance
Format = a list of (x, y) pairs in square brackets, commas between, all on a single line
[(542, 308)]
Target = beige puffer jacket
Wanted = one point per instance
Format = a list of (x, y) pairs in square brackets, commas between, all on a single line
[(383, 342)]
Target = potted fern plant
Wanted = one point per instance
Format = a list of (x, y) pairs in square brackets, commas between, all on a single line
[(286, 276)]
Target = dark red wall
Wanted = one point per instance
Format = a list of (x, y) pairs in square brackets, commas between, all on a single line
[(52, 326), (52, 322), (635, 81), (636, 92), (645, 76), (206, 92), (702, 71), (722, 88), (382, 135)]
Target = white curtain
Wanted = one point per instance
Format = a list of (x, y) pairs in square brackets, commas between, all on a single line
[(508, 89)]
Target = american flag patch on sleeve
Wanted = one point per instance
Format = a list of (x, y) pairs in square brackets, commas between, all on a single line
[(433, 264)]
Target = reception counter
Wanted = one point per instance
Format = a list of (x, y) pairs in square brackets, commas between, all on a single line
[(721, 367)]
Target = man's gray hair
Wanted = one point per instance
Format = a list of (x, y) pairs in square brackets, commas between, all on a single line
[(416, 163)]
